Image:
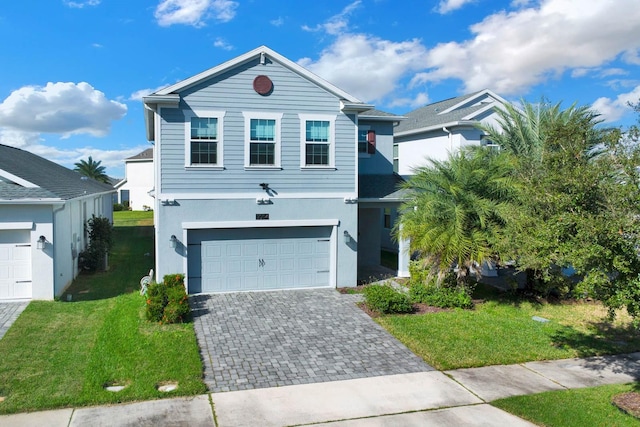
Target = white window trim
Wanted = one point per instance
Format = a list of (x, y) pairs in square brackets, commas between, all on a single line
[(331, 118), (187, 135), (248, 115), (362, 154)]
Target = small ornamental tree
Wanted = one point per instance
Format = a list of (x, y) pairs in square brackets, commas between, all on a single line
[(100, 233)]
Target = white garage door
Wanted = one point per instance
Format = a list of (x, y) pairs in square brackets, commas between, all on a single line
[(258, 259), (15, 264)]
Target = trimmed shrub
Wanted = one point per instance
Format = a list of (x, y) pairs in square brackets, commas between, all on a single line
[(117, 207), (447, 294), (167, 302), (385, 299)]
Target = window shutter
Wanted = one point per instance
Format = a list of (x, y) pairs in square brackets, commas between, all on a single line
[(371, 139)]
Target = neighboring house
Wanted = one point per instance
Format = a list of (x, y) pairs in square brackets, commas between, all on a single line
[(258, 164), (43, 211), (134, 189), (437, 129)]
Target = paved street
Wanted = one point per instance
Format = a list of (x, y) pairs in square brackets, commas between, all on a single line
[(272, 339)]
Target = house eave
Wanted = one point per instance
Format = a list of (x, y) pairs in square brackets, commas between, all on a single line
[(382, 118), (437, 127), (151, 104)]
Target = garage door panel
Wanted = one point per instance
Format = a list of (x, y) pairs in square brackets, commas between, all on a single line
[(15, 264), (256, 259)]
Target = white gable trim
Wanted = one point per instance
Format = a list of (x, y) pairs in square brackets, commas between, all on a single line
[(255, 53), (16, 179), (475, 96), (436, 127)]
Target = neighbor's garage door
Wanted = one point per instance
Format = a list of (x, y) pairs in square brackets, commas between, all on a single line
[(15, 264), (225, 260)]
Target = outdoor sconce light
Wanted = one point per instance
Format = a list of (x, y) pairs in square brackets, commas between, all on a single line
[(41, 242), (347, 237), (173, 241)]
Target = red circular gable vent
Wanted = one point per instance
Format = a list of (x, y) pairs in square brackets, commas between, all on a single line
[(263, 85)]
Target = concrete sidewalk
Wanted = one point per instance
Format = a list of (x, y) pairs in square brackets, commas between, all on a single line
[(453, 398)]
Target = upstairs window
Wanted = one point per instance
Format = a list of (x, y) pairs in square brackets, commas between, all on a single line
[(262, 140), (262, 145), (366, 140), (317, 148), (204, 139), (362, 139), (396, 158)]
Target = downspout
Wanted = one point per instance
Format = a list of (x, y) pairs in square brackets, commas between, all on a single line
[(450, 138)]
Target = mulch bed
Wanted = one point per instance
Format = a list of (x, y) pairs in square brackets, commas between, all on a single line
[(628, 402)]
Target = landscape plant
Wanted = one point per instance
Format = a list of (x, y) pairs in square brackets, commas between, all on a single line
[(167, 301), (385, 299), (100, 232)]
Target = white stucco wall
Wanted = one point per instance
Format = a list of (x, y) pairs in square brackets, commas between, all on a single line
[(139, 175)]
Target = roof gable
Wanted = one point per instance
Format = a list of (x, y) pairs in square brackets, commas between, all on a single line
[(28, 176), (461, 110), (263, 53)]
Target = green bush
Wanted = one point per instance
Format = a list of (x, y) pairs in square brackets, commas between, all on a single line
[(443, 295), (385, 299), (167, 302), (117, 207)]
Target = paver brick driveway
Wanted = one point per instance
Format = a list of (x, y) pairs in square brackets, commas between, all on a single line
[(268, 339)]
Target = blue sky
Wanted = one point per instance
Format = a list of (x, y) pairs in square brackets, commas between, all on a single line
[(73, 73)]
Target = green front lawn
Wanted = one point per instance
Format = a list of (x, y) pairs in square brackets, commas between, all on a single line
[(61, 354), (579, 408), (501, 331), (131, 218)]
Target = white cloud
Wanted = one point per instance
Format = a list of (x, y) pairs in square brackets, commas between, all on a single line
[(81, 4), (60, 108), (96, 45), (612, 110), (222, 44), (446, 6), (512, 51), (337, 24), (139, 94), (194, 12), (420, 100), (277, 22), (365, 66)]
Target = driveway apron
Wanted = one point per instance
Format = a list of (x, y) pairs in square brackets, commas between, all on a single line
[(270, 339), (9, 312)]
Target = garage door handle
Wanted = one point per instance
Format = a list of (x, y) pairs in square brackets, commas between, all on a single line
[(23, 281), (322, 271), (261, 262)]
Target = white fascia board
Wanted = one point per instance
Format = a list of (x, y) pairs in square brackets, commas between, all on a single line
[(27, 225), (32, 202), (287, 63), (151, 103), (252, 196), (382, 118), (355, 107), (466, 100), (261, 223), (472, 116), (120, 184), (436, 127), (16, 179), (384, 200)]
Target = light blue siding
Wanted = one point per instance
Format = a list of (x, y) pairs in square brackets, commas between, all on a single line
[(233, 93), (380, 163)]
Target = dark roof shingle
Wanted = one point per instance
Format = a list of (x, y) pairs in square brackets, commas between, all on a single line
[(53, 180)]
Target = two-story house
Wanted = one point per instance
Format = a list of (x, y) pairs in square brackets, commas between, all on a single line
[(134, 190), (257, 177), (443, 127)]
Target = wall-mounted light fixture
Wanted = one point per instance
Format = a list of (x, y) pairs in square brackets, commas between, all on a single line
[(173, 241), (41, 242), (347, 237), (350, 200), (263, 201)]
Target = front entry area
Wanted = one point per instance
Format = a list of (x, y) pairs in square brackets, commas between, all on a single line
[(252, 259)]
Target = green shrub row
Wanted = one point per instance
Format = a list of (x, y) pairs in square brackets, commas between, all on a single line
[(167, 301), (386, 300), (425, 287)]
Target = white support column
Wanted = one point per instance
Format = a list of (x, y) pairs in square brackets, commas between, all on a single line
[(404, 256)]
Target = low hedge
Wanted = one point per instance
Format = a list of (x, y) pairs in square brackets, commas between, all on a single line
[(167, 301), (386, 300)]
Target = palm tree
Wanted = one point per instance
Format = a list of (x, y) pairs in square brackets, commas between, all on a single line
[(457, 207), (92, 169)]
